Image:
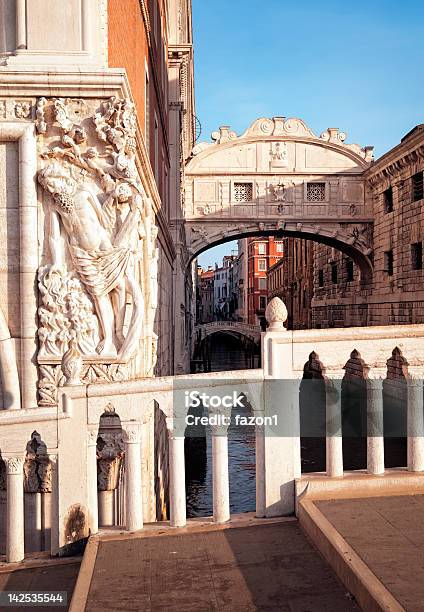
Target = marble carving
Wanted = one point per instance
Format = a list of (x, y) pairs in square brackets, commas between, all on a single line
[(99, 228)]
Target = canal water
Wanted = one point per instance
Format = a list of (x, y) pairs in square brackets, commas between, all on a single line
[(227, 354)]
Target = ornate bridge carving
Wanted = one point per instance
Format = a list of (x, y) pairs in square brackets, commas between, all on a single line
[(278, 177)]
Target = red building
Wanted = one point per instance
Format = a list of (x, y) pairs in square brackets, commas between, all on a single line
[(262, 253)]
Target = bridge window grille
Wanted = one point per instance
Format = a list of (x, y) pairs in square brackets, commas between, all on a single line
[(417, 256), (243, 192), (315, 192), (417, 187), (388, 200)]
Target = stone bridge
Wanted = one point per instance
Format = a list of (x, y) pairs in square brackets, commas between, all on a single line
[(279, 178), (234, 328)]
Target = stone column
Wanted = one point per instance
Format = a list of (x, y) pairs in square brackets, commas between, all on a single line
[(333, 418), (54, 505), (375, 431), (92, 481), (415, 422), (28, 266), (21, 39), (177, 490), (220, 479), (133, 483), (15, 538), (260, 469)]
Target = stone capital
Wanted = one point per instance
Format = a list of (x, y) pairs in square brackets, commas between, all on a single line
[(132, 435), (14, 465), (92, 437)]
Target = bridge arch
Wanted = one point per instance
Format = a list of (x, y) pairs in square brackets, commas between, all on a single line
[(279, 178)]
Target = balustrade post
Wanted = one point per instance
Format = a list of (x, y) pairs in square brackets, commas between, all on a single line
[(15, 533), (260, 469), (220, 477), (334, 439), (177, 489), (54, 507), (93, 507), (415, 421), (133, 482), (375, 424)]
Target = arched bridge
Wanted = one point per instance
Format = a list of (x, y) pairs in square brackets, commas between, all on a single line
[(252, 332), (280, 178)]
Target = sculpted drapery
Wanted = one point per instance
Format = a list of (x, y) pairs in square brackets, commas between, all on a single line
[(96, 221)]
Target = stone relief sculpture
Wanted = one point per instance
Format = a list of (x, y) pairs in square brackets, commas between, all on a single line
[(97, 219)]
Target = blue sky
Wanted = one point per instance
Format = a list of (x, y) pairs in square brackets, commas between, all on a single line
[(355, 65)]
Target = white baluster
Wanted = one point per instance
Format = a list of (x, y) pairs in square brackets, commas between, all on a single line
[(93, 507), (177, 490), (375, 431), (133, 482), (415, 420), (334, 440), (220, 478), (260, 468), (15, 538)]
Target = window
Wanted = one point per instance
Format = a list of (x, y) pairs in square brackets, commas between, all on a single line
[(243, 192), (262, 265), (262, 248), (334, 272), (262, 302), (321, 278), (280, 247), (349, 270), (388, 262), (417, 256), (315, 192), (417, 187), (388, 200), (262, 284)]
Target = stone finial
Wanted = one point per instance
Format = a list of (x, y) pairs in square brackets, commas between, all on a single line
[(276, 314), (72, 364)]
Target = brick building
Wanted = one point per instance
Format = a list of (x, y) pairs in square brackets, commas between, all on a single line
[(262, 254), (205, 295), (326, 282), (291, 279)]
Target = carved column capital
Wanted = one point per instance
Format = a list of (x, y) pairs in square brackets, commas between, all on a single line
[(14, 465), (91, 437), (132, 435)]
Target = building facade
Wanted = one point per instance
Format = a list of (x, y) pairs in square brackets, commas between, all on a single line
[(262, 254), (291, 279), (322, 286)]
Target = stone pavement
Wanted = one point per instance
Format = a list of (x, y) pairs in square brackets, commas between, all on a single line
[(268, 566), (388, 534), (46, 576)]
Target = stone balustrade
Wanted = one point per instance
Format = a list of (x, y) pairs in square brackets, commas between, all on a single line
[(61, 450)]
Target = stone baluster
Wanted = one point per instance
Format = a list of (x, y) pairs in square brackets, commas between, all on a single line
[(375, 430), (177, 490), (54, 506), (220, 478), (92, 481), (15, 538), (133, 482), (333, 412), (415, 421), (260, 468)]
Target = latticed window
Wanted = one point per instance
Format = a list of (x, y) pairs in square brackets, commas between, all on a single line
[(315, 192), (243, 192)]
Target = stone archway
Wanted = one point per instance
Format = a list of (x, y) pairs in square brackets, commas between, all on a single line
[(279, 178)]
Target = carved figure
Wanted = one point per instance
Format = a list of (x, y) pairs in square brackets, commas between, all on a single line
[(101, 262)]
